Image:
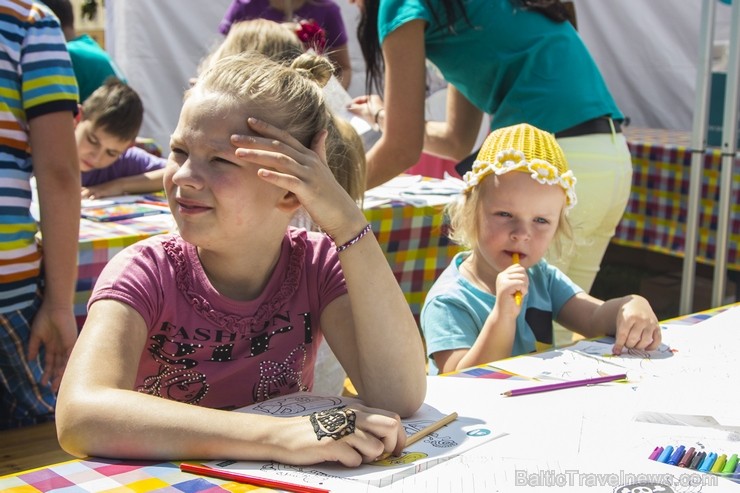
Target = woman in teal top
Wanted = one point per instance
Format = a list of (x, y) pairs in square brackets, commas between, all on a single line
[(517, 63)]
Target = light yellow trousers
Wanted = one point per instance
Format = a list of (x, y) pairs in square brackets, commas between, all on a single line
[(602, 166)]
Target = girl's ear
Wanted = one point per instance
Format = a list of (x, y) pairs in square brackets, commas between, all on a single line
[(78, 117), (288, 203)]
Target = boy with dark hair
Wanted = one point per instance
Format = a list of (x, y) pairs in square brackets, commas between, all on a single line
[(110, 120)]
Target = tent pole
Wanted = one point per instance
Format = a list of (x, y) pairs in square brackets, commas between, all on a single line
[(729, 148), (698, 148)]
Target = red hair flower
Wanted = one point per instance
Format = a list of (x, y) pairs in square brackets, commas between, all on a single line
[(311, 35)]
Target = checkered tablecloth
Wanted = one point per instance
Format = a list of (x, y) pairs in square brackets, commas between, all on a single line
[(94, 475), (655, 218), (100, 241), (413, 238)]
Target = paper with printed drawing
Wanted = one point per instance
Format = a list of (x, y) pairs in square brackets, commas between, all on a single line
[(459, 436), (559, 364), (638, 363)]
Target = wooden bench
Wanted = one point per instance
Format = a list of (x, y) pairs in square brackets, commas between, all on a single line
[(30, 447)]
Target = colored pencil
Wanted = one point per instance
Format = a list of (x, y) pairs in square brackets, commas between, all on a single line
[(564, 385), (243, 478), (424, 432), (518, 294)]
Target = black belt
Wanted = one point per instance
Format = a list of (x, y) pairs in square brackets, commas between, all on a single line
[(601, 125)]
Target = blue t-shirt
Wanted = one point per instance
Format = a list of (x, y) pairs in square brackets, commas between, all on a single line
[(455, 310), (516, 65)]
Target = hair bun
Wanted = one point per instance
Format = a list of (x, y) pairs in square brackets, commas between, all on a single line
[(315, 67)]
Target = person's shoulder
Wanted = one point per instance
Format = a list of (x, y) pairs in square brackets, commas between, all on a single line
[(27, 12), (313, 241), (139, 155), (155, 245), (86, 46), (551, 276)]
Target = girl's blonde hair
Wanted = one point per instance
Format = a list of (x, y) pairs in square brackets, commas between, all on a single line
[(270, 38), (347, 157), (289, 96), (345, 150)]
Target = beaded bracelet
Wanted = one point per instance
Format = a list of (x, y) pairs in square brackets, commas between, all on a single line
[(357, 238)]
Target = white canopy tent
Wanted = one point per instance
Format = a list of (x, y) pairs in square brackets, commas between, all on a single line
[(647, 50)]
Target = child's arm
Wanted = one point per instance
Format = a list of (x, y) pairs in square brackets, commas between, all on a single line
[(496, 338), (148, 182), (630, 319), (58, 179), (100, 414), (371, 329)]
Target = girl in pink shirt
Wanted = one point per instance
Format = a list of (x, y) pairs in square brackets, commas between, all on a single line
[(230, 309)]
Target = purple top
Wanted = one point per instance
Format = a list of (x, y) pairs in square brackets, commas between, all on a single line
[(133, 161), (325, 13)]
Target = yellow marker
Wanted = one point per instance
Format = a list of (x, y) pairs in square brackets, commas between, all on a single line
[(719, 463), (518, 294)]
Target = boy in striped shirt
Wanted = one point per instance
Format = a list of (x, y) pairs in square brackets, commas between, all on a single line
[(38, 101)]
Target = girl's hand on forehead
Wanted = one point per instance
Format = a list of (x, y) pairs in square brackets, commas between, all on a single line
[(290, 165)]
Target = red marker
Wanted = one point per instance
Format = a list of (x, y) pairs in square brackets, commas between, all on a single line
[(243, 478)]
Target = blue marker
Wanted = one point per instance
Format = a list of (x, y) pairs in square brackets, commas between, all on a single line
[(677, 455), (706, 465), (666, 454), (736, 474)]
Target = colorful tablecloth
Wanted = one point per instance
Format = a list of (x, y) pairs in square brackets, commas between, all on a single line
[(78, 476), (655, 218), (413, 238), (100, 241)]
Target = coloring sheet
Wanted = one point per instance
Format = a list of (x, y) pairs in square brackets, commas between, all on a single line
[(639, 363), (457, 437), (559, 364)]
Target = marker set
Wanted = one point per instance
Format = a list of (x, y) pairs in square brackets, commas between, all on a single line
[(707, 462)]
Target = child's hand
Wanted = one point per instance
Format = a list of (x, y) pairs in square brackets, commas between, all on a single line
[(511, 280), (288, 164), (362, 435), (366, 107), (107, 189), (637, 326)]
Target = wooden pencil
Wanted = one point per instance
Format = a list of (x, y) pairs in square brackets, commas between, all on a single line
[(424, 432)]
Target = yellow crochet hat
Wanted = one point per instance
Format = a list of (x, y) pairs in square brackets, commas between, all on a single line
[(526, 149)]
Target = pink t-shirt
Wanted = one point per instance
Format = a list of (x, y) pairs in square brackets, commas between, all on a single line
[(206, 349)]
